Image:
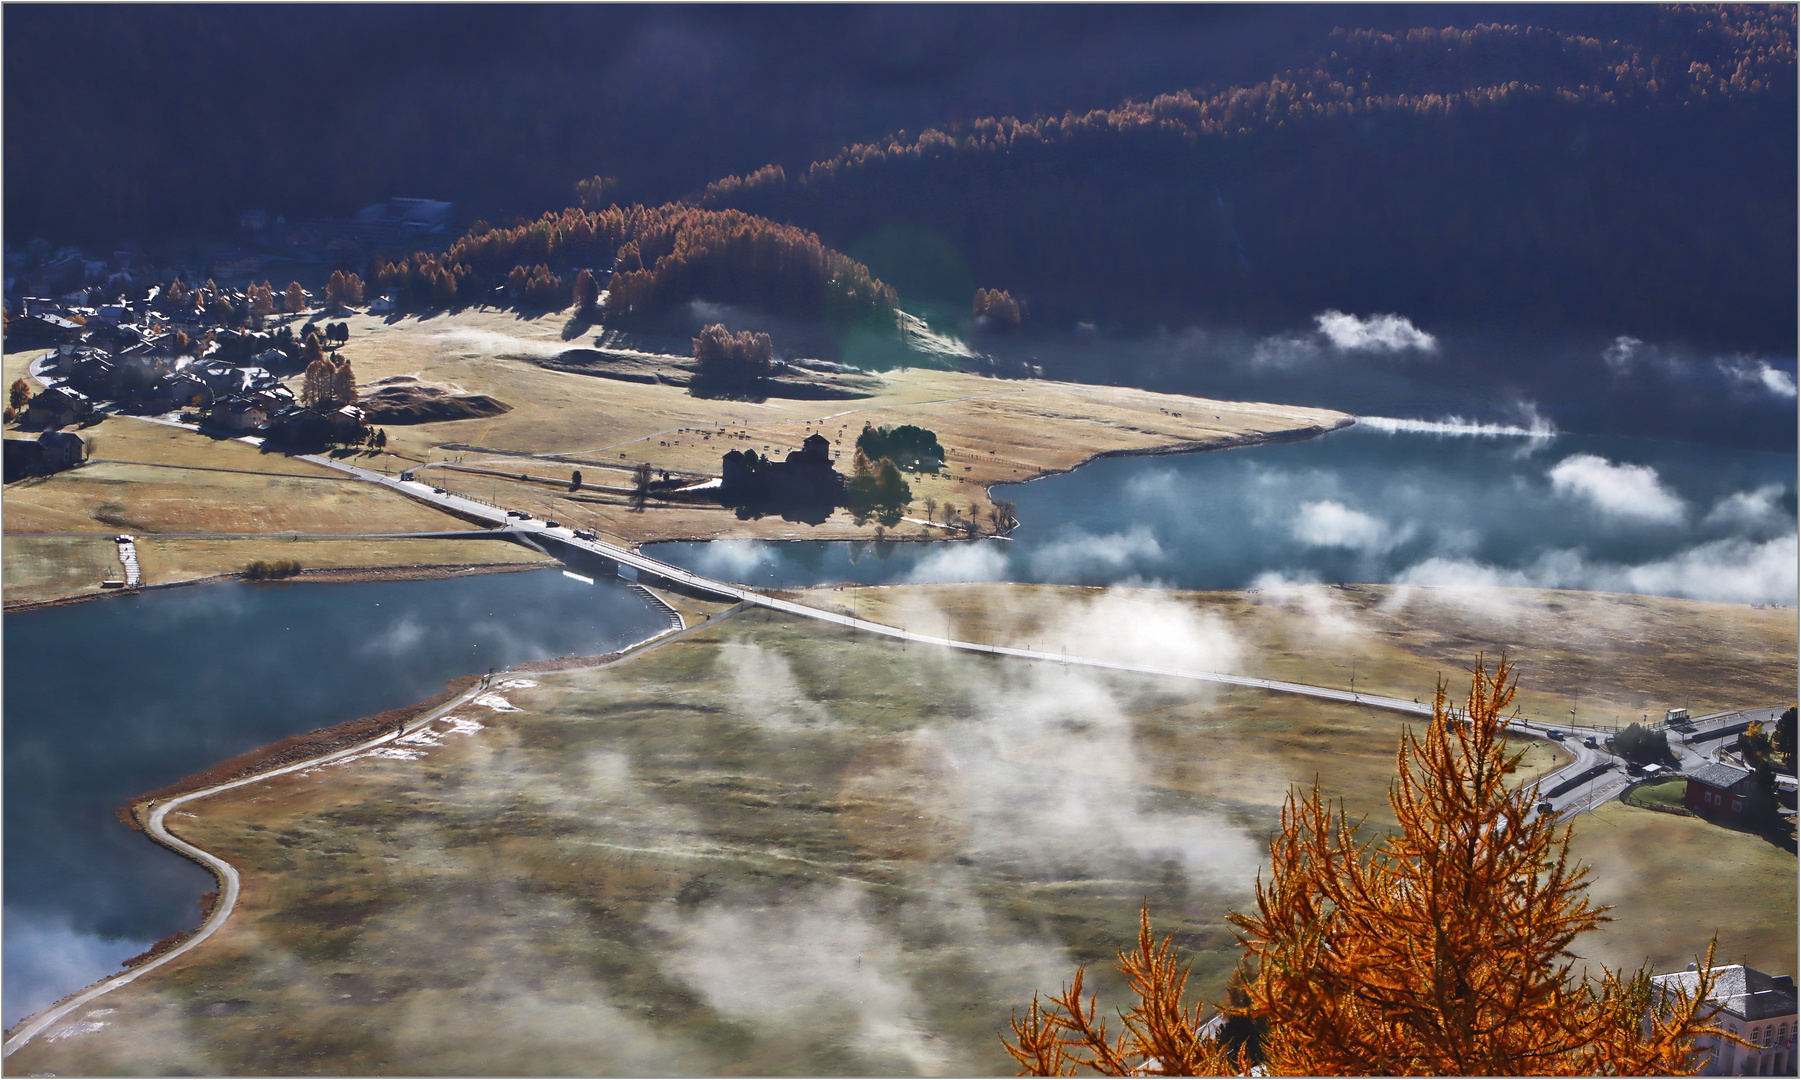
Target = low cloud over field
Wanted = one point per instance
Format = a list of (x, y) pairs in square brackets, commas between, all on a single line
[(1730, 571)]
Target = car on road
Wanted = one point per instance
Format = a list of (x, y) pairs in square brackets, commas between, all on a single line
[(439, 491), (1555, 735), (553, 524), (585, 534), (1590, 742)]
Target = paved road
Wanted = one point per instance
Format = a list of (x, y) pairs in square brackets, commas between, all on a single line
[(1584, 797)]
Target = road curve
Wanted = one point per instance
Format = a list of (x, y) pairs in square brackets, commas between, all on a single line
[(224, 871), (228, 874)]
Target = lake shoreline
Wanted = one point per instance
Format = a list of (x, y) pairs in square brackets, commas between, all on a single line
[(431, 571), (321, 575)]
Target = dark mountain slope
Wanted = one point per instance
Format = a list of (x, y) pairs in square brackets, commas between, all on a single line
[(1643, 185)]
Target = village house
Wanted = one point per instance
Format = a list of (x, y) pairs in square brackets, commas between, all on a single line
[(184, 390), (59, 405), (50, 452), (1756, 1007), (59, 450), (1718, 790), (238, 414), (31, 330)]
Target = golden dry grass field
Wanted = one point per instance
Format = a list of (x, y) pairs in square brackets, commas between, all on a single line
[(41, 568), (1612, 657), (778, 847), (993, 430)]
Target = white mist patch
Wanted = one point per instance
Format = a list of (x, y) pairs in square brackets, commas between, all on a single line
[(818, 955), (1626, 491), (765, 689), (508, 994), (1285, 351), (1158, 485), (734, 560), (1758, 374), (1731, 571), (1378, 333), (1758, 509), (1456, 425), (960, 562), (1080, 554), (1328, 616), (399, 638), (1140, 626), (1051, 773), (491, 343), (1333, 524), (1622, 352)]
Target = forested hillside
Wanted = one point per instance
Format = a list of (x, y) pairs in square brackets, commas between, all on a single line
[(1644, 186), (661, 257)]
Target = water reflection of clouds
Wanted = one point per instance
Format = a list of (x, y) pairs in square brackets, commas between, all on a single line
[(196, 675), (47, 957), (1380, 506)]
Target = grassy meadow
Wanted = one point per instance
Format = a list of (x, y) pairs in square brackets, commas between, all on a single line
[(779, 847)]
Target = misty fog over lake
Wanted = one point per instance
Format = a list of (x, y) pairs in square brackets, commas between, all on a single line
[(1380, 502), (178, 681)]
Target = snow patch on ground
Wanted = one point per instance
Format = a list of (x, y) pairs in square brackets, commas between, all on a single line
[(497, 703)]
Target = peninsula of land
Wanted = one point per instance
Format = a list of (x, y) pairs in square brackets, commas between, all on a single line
[(568, 447)]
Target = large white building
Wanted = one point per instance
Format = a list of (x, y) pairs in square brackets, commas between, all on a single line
[(1756, 1007)]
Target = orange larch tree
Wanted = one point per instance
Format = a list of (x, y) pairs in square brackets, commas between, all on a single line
[(1441, 948)]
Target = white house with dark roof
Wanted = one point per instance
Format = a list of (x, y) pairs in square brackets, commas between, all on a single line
[(1756, 1007)]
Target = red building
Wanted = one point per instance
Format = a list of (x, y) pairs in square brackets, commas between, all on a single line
[(1718, 790)]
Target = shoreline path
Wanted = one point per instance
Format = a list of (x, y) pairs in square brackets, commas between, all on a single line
[(1587, 760)]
